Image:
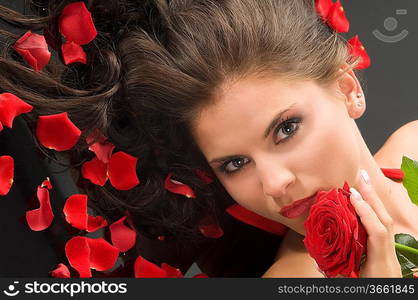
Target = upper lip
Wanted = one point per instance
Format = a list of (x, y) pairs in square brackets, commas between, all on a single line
[(296, 203)]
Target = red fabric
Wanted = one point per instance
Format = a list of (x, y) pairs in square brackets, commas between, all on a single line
[(251, 218)]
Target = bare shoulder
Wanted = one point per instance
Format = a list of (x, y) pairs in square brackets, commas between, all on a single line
[(403, 142), (292, 259)]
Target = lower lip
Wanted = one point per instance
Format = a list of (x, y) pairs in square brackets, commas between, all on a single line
[(298, 209)]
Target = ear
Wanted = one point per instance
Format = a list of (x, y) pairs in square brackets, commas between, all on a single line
[(350, 88)]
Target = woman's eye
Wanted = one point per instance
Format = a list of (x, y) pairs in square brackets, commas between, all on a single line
[(234, 165), (288, 128)]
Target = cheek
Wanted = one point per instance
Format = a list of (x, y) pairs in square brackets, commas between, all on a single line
[(244, 191), (332, 153)]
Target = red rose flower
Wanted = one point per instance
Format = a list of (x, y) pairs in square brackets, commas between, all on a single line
[(335, 237)]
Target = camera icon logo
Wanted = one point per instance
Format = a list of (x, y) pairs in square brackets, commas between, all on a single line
[(391, 24), (11, 289)]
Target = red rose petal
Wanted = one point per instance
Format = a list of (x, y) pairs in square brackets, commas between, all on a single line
[(10, 107), (393, 173), (171, 271), (122, 171), (57, 132), (46, 183), (241, 213), (103, 255), (85, 253), (72, 53), (61, 271), (161, 237), (95, 222), (201, 275), (102, 148), (76, 24), (40, 218), (75, 211), (34, 49), (95, 171), (177, 187), (6, 174), (209, 228), (357, 50), (77, 251), (122, 236), (146, 269), (1, 127), (337, 19), (323, 8), (206, 178)]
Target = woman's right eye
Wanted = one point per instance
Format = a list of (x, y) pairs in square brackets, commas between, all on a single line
[(233, 165)]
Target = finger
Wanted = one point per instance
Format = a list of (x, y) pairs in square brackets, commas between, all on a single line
[(374, 227), (370, 195)]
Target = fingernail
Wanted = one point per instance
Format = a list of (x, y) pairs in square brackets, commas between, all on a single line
[(365, 176), (355, 194)]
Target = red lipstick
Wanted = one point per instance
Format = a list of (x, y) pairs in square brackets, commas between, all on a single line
[(298, 207)]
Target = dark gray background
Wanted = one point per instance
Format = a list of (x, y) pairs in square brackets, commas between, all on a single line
[(391, 88)]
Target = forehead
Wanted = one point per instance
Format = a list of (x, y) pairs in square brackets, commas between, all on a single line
[(242, 111)]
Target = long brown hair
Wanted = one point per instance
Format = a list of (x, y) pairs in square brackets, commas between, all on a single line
[(152, 67)]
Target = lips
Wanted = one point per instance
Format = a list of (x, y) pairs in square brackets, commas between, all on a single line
[(298, 207)]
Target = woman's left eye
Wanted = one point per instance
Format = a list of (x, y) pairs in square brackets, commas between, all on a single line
[(288, 127)]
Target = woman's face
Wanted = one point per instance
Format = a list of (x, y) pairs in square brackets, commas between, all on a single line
[(272, 142)]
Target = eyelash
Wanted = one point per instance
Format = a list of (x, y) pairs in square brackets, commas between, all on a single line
[(282, 124)]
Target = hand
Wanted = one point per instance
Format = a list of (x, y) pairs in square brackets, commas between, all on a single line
[(381, 256)]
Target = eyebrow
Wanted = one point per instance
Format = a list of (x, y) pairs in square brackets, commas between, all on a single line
[(273, 122)]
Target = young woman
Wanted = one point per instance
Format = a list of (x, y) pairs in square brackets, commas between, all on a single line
[(262, 95)]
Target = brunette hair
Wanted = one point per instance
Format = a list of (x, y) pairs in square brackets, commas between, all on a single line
[(152, 67)]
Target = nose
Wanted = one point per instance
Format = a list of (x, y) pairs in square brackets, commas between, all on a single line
[(276, 181)]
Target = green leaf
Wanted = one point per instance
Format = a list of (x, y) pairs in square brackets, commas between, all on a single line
[(410, 181), (407, 253)]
